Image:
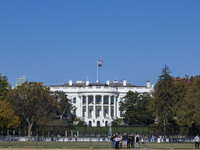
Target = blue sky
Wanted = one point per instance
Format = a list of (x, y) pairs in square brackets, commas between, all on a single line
[(53, 41)]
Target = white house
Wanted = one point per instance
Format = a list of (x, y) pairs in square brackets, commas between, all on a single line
[(98, 103)]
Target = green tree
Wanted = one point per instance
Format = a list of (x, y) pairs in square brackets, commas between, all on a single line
[(189, 113), (181, 85), (7, 117), (163, 99), (135, 109), (4, 87), (32, 102), (65, 111), (117, 122)]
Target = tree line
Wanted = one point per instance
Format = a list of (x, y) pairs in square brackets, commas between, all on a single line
[(32, 104), (174, 101)]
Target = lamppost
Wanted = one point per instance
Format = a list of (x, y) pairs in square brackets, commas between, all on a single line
[(110, 128)]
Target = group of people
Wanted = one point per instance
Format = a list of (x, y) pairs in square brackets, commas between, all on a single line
[(125, 141)]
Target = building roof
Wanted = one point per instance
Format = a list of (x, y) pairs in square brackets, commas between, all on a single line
[(96, 84)]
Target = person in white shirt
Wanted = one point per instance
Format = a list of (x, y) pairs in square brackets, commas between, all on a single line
[(117, 139), (196, 140)]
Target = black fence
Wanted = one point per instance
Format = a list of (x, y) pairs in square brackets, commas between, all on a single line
[(151, 137), (85, 131), (145, 142)]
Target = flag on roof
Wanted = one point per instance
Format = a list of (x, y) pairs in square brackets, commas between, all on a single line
[(99, 62)]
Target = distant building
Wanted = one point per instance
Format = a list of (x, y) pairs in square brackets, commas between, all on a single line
[(20, 80), (98, 103)]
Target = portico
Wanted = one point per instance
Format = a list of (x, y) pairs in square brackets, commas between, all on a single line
[(96, 107)]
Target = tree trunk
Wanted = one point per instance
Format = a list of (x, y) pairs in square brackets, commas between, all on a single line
[(164, 123), (30, 124)]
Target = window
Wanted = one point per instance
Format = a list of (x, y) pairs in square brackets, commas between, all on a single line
[(98, 113), (74, 100), (90, 123), (74, 112), (98, 123), (112, 100), (121, 114), (112, 112), (90, 113), (98, 99), (84, 100), (84, 112), (106, 123)]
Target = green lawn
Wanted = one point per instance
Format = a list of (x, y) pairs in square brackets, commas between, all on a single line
[(93, 145), (55, 144)]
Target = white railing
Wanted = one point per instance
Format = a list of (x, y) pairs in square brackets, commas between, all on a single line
[(98, 89)]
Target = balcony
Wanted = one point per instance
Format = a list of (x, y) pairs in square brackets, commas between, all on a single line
[(99, 89)]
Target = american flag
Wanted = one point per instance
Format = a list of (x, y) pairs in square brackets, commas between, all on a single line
[(99, 61)]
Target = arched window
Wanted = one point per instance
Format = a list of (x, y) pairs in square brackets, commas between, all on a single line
[(98, 123), (106, 123), (90, 123)]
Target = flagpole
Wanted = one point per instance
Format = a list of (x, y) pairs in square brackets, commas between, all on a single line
[(97, 71)]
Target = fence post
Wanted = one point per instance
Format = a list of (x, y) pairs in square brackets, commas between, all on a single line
[(65, 133), (36, 140), (77, 133), (144, 142), (90, 143), (171, 139), (72, 135), (63, 143)]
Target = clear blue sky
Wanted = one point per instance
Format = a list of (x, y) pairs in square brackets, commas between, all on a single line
[(52, 41)]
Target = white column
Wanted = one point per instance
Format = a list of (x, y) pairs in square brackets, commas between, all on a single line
[(114, 107), (94, 107), (86, 107), (81, 109), (118, 107), (109, 106), (102, 113)]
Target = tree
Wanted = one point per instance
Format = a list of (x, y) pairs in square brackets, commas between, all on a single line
[(32, 102), (163, 99), (118, 122), (189, 113), (181, 85), (4, 87), (135, 110), (65, 111), (7, 117)]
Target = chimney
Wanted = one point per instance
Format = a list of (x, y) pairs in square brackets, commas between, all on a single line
[(124, 82), (87, 82), (108, 82), (70, 82), (148, 84)]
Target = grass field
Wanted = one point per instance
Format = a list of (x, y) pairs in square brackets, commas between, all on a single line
[(88, 145)]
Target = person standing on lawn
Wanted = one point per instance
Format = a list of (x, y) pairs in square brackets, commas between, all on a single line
[(120, 142), (117, 140), (132, 140), (196, 140), (113, 140), (124, 140), (137, 139)]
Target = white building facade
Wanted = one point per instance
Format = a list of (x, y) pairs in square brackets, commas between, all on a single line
[(98, 103)]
